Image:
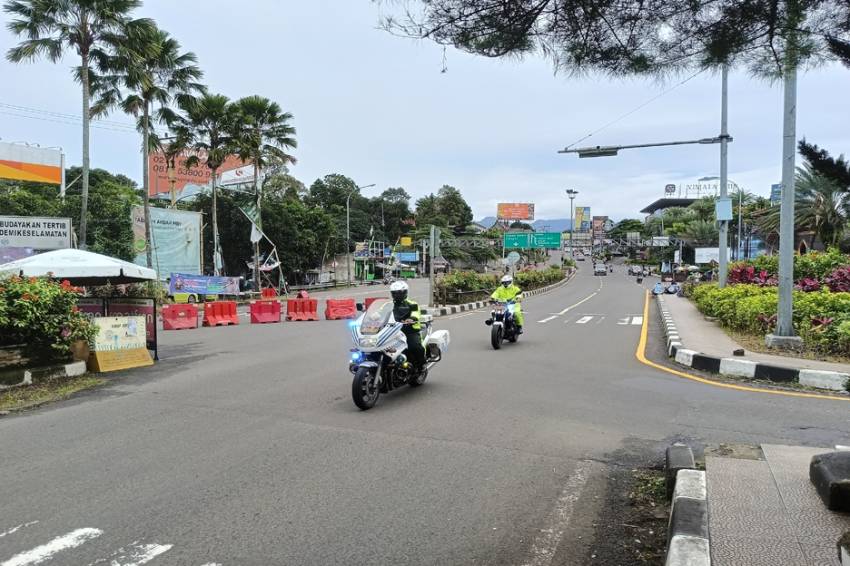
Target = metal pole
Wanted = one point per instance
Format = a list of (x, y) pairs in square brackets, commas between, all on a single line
[(785, 323), (740, 220), (431, 249), (348, 235), (62, 170), (724, 179)]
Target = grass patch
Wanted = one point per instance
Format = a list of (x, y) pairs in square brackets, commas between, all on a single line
[(756, 344), (646, 519), (28, 396)]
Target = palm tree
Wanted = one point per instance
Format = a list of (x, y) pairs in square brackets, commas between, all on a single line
[(701, 233), (266, 137), (206, 128), (86, 26), (820, 207), (149, 71)]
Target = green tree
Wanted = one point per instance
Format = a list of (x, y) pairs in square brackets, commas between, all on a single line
[(701, 233), (206, 127), (623, 227), (266, 137), (822, 163), (86, 26), (453, 207), (146, 73), (392, 209), (284, 186)]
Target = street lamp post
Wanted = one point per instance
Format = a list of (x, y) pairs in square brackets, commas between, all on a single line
[(348, 228), (572, 194)]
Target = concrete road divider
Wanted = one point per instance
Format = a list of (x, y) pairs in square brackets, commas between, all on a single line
[(179, 317), (337, 309), (263, 312), (302, 309), (220, 313)]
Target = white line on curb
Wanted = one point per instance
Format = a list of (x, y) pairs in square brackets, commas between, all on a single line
[(546, 543), (45, 552)]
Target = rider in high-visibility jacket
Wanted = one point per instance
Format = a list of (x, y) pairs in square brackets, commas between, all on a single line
[(507, 291)]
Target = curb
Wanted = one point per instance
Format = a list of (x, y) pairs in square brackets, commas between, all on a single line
[(437, 312), (736, 367), (688, 540), (28, 376)]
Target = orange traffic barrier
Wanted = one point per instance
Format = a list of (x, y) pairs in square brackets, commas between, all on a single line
[(268, 293), (220, 313), (369, 300), (302, 309), (336, 309), (265, 311), (179, 317)]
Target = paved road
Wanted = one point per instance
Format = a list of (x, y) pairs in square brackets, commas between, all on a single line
[(243, 447)]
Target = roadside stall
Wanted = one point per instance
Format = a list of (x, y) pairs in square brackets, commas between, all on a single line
[(126, 326)]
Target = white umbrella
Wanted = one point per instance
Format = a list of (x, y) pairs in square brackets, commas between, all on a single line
[(79, 267)]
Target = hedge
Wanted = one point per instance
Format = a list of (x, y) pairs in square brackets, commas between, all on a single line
[(463, 286)]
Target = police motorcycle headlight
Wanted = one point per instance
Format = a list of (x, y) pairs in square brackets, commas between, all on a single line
[(368, 342)]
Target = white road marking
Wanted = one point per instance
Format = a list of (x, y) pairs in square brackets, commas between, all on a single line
[(211, 564), (546, 543), (571, 307), (135, 555), (47, 551), (584, 320), (454, 316), (637, 320), (19, 527), (547, 319)]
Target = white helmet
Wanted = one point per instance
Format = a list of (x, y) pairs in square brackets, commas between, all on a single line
[(507, 280), (399, 290)]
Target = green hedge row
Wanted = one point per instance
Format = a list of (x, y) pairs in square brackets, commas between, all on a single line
[(821, 318)]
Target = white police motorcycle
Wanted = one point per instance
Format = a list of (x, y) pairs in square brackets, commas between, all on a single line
[(378, 359)]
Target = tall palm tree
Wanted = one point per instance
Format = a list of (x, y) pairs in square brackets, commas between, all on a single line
[(820, 207), (206, 127), (266, 136), (701, 233), (86, 26), (148, 73)]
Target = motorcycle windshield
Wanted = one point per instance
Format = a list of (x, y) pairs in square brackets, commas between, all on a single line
[(376, 316)]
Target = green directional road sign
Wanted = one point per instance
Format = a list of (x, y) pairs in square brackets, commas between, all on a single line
[(520, 240), (551, 240)]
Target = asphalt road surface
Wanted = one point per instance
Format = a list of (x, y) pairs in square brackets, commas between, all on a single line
[(243, 447)]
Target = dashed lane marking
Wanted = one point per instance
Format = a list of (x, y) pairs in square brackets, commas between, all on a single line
[(584, 320), (547, 319), (47, 551), (134, 555), (17, 528)]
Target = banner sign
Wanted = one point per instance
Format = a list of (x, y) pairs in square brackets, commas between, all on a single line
[(36, 232), (176, 236), (407, 257), (582, 219), (20, 162), (515, 211), (120, 343), (203, 285), (708, 255), (197, 177)]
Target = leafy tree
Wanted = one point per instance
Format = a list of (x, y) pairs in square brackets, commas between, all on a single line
[(284, 186), (840, 49), (835, 168), (623, 227), (820, 207), (206, 127), (517, 225), (86, 26), (701, 233), (390, 211), (428, 212), (331, 191), (146, 72), (446, 209)]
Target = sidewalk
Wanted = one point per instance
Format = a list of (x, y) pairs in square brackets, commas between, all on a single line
[(767, 511), (709, 338)]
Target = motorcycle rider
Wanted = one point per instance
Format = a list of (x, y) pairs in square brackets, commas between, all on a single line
[(510, 292), (407, 311)]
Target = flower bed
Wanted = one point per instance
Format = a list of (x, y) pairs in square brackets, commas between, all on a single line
[(41, 315)]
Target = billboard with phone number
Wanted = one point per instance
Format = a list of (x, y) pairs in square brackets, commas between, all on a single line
[(515, 211)]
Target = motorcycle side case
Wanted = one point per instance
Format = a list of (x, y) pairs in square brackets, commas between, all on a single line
[(441, 338)]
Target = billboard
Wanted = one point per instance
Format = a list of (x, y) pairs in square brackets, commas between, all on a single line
[(599, 226), (515, 211), (20, 162), (176, 240), (582, 219), (35, 232), (202, 285), (189, 181)]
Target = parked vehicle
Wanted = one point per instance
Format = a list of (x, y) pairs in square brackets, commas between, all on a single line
[(502, 324), (378, 360)]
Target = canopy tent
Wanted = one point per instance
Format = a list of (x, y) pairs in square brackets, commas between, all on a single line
[(79, 267)]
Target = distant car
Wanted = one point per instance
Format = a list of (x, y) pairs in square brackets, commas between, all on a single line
[(580, 257), (600, 269)]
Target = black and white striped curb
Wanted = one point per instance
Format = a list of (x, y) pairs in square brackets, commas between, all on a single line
[(688, 541), (820, 379), (28, 376), (454, 309)]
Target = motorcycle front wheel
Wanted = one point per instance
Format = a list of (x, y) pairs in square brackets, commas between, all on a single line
[(496, 337), (419, 379), (364, 390)]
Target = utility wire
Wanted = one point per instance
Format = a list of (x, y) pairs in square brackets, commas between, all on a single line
[(39, 114), (69, 122), (640, 107)]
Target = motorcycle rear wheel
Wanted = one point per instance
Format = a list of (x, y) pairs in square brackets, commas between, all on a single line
[(496, 337), (364, 390)]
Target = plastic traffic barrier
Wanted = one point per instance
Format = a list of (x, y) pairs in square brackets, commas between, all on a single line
[(302, 309), (179, 317), (336, 309), (263, 312), (369, 301), (268, 293), (220, 313)]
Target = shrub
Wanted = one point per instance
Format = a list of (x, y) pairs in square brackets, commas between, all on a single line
[(839, 280), (42, 315)]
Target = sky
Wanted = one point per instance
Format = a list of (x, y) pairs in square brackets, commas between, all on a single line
[(378, 109)]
